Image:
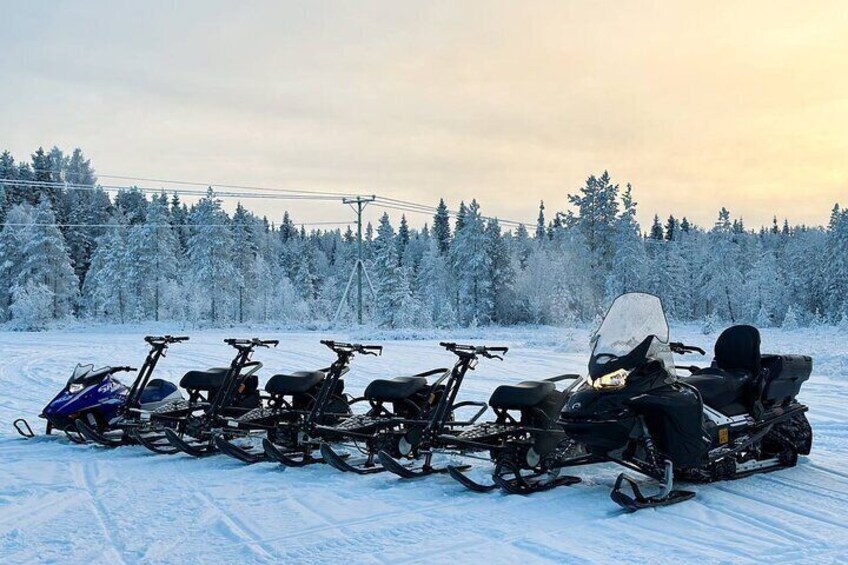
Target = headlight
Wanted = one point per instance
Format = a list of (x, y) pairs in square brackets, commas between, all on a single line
[(611, 381), (75, 388)]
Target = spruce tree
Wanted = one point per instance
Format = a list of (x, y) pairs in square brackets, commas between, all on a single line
[(441, 227)]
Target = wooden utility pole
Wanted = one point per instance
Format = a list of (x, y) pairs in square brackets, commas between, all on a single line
[(358, 204)]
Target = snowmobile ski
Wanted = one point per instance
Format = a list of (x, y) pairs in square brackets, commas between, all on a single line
[(338, 461), (94, 436), (523, 486), (181, 445), (467, 481), (23, 428), (638, 501), (154, 444), (237, 452), (405, 472)]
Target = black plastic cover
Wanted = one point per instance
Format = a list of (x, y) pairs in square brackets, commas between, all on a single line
[(783, 375)]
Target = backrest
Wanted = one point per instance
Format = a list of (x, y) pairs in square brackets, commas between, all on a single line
[(738, 349)]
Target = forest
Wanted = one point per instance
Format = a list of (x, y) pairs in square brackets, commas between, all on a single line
[(72, 250)]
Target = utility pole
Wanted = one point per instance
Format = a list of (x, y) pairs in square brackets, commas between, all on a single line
[(358, 204)]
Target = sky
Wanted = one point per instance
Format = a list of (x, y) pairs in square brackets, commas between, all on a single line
[(699, 105)]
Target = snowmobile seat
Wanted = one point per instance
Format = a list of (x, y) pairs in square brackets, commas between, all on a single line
[(526, 394), (398, 388), (211, 379), (295, 383), (729, 393)]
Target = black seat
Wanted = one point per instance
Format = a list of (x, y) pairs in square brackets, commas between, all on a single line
[(295, 383), (211, 379), (398, 388), (726, 386), (523, 395)]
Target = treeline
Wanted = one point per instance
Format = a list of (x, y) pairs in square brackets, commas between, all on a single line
[(73, 251)]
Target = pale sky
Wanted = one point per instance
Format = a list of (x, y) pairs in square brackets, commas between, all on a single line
[(739, 104)]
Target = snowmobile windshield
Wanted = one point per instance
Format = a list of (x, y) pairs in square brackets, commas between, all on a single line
[(634, 329), (80, 372), (85, 374)]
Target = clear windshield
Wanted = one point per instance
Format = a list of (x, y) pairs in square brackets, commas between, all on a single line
[(632, 318), (80, 372)]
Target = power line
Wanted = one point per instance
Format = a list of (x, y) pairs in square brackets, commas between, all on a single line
[(163, 226)]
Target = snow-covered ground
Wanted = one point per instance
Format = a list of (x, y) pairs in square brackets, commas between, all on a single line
[(63, 503)]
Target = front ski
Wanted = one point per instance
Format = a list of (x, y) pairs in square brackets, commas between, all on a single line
[(154, 443), (338, 461), (94, 436), (236, 452), (638, 501), (468, 482), (405, 472), (181, 445), (525, 487)]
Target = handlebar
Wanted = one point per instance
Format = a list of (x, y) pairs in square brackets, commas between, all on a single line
[(342, 347), (165, 339), (253, 342), (124, 369), (475, 350), (682, 348)]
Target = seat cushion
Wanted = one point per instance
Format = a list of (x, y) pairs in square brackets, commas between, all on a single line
[(724, 391), (211, 379), (398, 388), (523, 395), (295, 383)]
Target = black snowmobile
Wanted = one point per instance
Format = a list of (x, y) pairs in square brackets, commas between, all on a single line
[(733, 419), (291, 399), (212, 394), (94, 403), (295, 438), (411, 438)]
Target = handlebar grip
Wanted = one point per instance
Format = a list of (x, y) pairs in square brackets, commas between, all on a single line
[(498, 349), (181, 338)]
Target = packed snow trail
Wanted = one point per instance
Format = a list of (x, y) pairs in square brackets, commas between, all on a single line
[(61, 502)]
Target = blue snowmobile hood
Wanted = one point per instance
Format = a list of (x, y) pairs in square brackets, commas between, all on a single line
[(107, 395)]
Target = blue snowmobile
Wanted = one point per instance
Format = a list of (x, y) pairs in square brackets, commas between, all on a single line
[(97, 399)]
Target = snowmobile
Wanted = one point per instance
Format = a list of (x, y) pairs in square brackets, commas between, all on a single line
[(295, 438), (733, 419), (411, 437), (234, 393), (97, 400), (290, 399)]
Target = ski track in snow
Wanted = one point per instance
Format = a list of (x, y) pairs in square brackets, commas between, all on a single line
[(68, 503)]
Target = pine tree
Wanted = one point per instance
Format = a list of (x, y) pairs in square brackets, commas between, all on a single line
[(685, 226), (210, 264), (108, 289), (501, 273), (246, 251), (386, 272), (402, 236), (153, 250), (540, 222), (472, 267), (44, 260), (657, 229), (670, 228), (441, 226)]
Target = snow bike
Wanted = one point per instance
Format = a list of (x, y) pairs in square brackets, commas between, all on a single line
[(731, 420), (412, 439), (524, 442), (213, 392), (290, 398), (97, 401), (295, 439)]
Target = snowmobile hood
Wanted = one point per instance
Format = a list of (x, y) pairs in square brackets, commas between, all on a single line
[(105, 392)]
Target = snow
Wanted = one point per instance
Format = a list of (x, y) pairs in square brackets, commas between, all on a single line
[(67, 503)]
